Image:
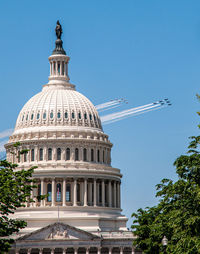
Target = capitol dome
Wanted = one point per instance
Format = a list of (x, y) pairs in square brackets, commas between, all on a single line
[(57, 106), (60, 131)]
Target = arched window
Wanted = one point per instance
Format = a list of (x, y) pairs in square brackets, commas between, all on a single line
[(51, 115), (78, 193), (26, 117), (32, 117), (39, 192), (58, 115), (41, 154), (98, 155), (92, 154), (58, 192), (44, 115), (84, 154), (32, 154), (67, 154), (38, 116), (18, 156), (58, 154), (49, 192), (66, 115), (90, 117), (79, 115), (50, 154), (76, 154), (85, 116), (68, 192), (25, 156), (73, 116)]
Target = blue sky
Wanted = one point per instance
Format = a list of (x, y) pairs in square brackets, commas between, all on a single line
[(140, 50)]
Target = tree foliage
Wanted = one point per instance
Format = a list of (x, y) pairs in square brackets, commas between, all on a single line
[(177, 214), (15, 190)]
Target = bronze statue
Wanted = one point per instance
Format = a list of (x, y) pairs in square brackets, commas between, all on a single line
[(58, 30)]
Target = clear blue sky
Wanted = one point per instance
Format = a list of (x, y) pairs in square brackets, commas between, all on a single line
[(140, 50)]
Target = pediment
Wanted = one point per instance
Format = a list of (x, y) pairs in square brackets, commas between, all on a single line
[(59, 231)]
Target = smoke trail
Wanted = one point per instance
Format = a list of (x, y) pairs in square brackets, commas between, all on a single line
[(6, 133)]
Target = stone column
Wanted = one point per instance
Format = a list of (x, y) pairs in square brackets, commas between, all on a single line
[(64, 193), (17, 251), (109, 194), (87, 251), (72, 153), (121, 250), (133, 251), (99, 251), (110, 251), (61, 67), (119, 194), (81, 154), (42, 191), (103, 192), (64, 251), (31, 204), (75, 250), (53, 192), (40, 251), (85, 192), (75, 193), (95, 192), (52, 251), (63, 157), (115, 194), (45, 153)]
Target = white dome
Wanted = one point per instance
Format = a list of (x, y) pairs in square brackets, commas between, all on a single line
[(58, 106)]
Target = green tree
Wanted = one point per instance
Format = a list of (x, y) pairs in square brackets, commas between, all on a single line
[(177, 214), (15, 189)]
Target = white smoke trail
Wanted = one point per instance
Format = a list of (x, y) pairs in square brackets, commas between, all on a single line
[(6, 133), (108, 105), (133, 114), (128, 112)]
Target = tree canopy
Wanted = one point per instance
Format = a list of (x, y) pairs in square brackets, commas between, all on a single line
[(15, 190), (177, 214)]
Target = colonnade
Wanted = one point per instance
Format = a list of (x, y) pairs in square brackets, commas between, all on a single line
[(77, 192), (84, 154), (81, 250), (59, 68)]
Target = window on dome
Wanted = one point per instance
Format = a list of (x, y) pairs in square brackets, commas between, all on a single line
[(49, 192), (68, 192), (26, 117), (90, 117), (39, 191), (92, 154), (78, 193), (58, 154), (63, 66), (44, 115), (58, 192), (31, 116), (23, 118), (51, 115), (38, 116), (32, 154), (79, 115), (67, 154), (76, 154), (94, 117), (98, 155), (58, 115), (84, 154), (73, 116), (25, 156), (85, 116), (58, 68), (18, 156), (41, 154), (50, 154), (66, 115)]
